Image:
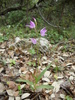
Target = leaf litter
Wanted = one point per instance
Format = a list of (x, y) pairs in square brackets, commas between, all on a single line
[(14, 65)]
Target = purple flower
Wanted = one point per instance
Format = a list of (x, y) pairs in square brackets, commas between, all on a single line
[(34, 19), (43, 31), (32, 24), (33, 40)]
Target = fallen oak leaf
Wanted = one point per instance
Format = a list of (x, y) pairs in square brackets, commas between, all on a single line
[(12, 85), (66, 86)]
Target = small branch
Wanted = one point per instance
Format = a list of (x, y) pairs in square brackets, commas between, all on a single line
[(45, 19), (10, 9), (18, 8)]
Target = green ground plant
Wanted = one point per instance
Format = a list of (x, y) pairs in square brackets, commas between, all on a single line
[(68, 98), (20, 30), (35, 85), (12, 62)]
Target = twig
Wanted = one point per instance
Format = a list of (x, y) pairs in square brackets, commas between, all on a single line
[(35, 96), (44, 18)]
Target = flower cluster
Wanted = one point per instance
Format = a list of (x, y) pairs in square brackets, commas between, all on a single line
[(32, 25)]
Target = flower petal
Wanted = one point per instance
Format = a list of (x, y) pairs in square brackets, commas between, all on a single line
[(43, 31), (27, 25), (34, 41), (34, 19), (32, 24)]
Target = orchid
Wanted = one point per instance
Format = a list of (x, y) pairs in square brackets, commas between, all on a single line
[(35, 78), (34, 19), (32, 25), (43, 31), (34, 41)]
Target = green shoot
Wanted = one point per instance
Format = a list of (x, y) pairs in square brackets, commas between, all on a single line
[(19, 88), (68, 98), (34, 85)]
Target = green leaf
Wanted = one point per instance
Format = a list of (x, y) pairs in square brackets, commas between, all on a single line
[(45, 87), (12, 61), (32, 51), (56, 69), (68, 98), (5, 38), (29, 63), (61, 37), (41, 74), (19, 88), (26, 81), (1, 39), (34, 64), (35, 1), (56, 77)]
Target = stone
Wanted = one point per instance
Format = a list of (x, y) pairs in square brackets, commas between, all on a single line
[(2, 88), (43, 44), (25, 95)]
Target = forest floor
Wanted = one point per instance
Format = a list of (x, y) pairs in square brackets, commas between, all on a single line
[(16, 64)]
